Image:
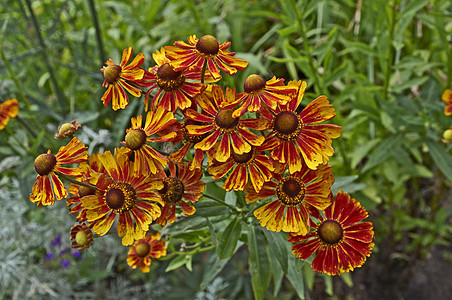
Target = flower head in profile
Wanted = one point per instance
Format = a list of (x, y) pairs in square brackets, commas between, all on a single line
[(225, 132), (8, 109), (81, 237), (90, 171), (174, 89), (258, 92), (293, 193), (204, 50), (143, 250), (182, 187), (340, 241), (147, 159), (121, 78), (189, 140), (125, 194), (301, 138), (67, 130), (447, 99), (254, 167), (48, 186)]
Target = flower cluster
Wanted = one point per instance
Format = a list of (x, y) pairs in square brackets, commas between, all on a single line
[(259, 141)]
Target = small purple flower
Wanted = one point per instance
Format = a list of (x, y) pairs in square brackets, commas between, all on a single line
[(49, 255), (77, 254), (65, 263), (56, 241), (62, 251)]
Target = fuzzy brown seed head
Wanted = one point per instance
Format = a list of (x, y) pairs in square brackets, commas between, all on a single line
[(120, 197), (225, 120), (173, 190), (243, 158), (135, 138), (166, 72), (85, 191), (142, 249), (208, 44), (111, 73), (287, 125), (45, 163), (253, 83), (330, 232), (291, 191)]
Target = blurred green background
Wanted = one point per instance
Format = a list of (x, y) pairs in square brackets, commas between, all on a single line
[(383, 65)]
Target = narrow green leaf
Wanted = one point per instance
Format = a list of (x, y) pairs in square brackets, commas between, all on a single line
[(228, 240), (259, 263), (383, 151), (295, 278), (278, 276), (177, 262), (209, 208), (279, 247), (441, 157)]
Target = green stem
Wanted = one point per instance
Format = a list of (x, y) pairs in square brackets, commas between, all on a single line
[(390, 55), (74, 181), (307, 47), (58, 91), (100, 43), (222, 202), (193, 252), (203, 71)]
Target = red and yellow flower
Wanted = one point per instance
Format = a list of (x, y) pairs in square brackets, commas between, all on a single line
[(148, 159), (257, 92), (8, 110), (189, 141), (125, 194), (90, 174), (447, 99), (230, 133), (121, 78), (300, 137), (142, 251), (254, 167), (174, 89), (204, 50), (340, 241), (48, 186), (181, 185), (288, 212)]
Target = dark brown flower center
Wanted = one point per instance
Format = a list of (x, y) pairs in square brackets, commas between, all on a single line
[(208, 44), (85, 191), (120, 197), (168, 79), (287, 125), (290, 191), (330, 232), (45, 163), (244, 158), (111, 73), (225, 120), (173, 190), (135, 138), (142, 249), (253, 83)]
